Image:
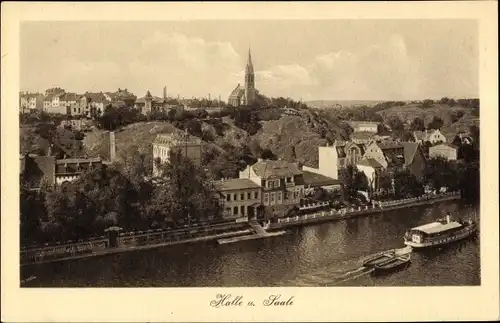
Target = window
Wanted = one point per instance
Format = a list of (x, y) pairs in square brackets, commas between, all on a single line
[(235, 210), (269, 184), (242, 209), (242, 196), (266, 198), (228, 197), (278, 197), (228, 210), (288, 179), (249, 196), (277, 183), (235, 197), (256, 194), (272, 198)]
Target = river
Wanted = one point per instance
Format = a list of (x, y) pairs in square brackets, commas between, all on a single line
[(320, 255)]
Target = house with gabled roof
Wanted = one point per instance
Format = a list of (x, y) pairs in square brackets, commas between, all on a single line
[(433, 136), (393, 157), (282, 183)]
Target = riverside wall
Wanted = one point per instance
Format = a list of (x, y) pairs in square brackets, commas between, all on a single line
[(131, 241), (334, 215)]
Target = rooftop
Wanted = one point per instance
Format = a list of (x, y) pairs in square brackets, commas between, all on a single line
[(436, 227), (314, 179), (275, 168), (370, 162), (235, 184)]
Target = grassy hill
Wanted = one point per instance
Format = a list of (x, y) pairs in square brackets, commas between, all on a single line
[(304, 132), (456, 118)]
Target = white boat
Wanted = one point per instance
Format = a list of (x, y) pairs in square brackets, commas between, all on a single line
[(439, 232)]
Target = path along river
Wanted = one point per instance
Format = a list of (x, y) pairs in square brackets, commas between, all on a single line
[(320, 255)]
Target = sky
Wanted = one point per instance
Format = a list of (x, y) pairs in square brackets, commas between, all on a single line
[(308, 59)]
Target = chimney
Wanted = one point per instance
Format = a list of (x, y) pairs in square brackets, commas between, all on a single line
[(112, 146), (165, 92), (209, 97)]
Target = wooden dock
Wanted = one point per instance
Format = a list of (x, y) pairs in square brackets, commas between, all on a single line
[(259, 233)]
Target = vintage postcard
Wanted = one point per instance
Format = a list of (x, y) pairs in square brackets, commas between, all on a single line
[(249, 161)]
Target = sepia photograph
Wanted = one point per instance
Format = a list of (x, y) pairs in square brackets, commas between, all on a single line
[(220, 153), (254, 152)]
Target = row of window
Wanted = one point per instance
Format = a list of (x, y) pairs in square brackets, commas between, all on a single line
[(275, 183), (248, 195), (239, 210), (277, 197)]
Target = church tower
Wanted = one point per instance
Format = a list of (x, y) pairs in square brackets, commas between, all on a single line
[(249, 81)]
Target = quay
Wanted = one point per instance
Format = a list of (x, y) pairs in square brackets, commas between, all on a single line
[(224, 233), (259, 233), (332, 215)]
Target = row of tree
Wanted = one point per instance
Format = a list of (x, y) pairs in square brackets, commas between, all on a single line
[(127, 196)]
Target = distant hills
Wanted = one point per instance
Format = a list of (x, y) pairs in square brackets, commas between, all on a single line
[(322, 104)]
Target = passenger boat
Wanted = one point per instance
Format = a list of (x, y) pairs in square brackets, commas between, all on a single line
[(439, 233), (386, 256)]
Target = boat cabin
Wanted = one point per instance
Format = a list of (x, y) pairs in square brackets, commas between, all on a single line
[(431, 230)]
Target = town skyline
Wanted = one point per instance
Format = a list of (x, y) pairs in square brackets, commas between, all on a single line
[(198, 58)]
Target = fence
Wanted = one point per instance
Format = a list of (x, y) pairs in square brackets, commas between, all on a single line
[(347, 212), (70, 249), (62, 251)]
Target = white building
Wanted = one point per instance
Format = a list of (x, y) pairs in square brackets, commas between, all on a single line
[(327, 162), (189, 146)]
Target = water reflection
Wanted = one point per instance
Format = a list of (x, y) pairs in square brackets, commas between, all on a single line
[(319, 255)]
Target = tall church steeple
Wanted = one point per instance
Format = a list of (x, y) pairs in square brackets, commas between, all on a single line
[(249, 81)]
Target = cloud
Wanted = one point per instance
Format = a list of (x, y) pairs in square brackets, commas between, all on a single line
[(380, 71)]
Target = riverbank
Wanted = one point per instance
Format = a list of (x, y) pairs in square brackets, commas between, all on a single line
[(132, 241), (332, 215)]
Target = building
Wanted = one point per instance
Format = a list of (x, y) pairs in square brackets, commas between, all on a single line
[(433, 136), (362, 137), (37, 169), (69, 169), (448, 152), (245, 95), (393, 157), (149, 104), (240, 197), (52, 103), (29, 102), (122, 97), (364, 126), (77, 124), (313, 181), (92, 105), (327, 162), (282, 185), (349, 153), (188, 145), (371, 168)]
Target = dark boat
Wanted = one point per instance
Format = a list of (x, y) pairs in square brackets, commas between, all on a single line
[(393, 264), (386, 256)]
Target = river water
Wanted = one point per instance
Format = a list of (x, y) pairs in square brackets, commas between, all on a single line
[(326, 254)]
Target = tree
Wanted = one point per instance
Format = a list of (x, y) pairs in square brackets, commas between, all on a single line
[(186, 195), (268, 154), (426, 104), (194, 127), (439, 173), (384, 181), (417, 124), (353, 180), (406, 185), (436, 123)]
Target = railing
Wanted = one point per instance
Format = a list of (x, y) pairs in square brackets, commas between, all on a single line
[(62, 251), (346, 212)]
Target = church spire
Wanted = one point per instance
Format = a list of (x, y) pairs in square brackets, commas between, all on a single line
[(249, 69)]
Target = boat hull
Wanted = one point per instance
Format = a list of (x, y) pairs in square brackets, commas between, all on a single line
[(442, 241), (393, 265)]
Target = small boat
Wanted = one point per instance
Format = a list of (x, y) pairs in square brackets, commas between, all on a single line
[(393, 264), (384, 257), (440, 232)]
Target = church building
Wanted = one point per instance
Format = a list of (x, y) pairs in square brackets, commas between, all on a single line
[(245, 95)]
